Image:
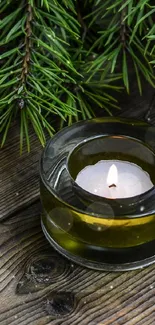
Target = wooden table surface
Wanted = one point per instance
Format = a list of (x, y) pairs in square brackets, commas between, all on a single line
[(37, 285)]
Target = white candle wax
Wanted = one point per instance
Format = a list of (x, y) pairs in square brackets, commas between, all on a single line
[(114, 179)]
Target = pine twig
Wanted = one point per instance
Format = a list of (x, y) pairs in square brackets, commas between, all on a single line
[(28, 30), (26, 59), (123, 29)]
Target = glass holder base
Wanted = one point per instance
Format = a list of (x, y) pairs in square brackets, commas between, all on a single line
[(100, 266)]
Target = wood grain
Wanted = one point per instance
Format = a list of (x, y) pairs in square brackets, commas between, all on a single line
[(38, 286), (19, 180)]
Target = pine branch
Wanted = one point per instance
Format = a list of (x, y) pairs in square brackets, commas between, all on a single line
[(119, 41), (60, 61), (28, 33), (46, 74)]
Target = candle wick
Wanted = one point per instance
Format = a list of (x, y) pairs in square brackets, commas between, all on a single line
[(112, 185)]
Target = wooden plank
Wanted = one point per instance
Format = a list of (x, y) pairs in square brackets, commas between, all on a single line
[(19, 180), (38, 286)]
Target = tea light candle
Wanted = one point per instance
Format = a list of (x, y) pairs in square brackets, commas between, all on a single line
[(114, 179)]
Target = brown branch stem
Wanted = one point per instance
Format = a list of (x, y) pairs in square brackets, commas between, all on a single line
[(28, 30), (123, 30)]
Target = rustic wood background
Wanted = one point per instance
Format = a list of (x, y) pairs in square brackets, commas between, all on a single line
[(37, 285)]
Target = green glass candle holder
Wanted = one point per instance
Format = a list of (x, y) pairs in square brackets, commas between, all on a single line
[(94, 231)]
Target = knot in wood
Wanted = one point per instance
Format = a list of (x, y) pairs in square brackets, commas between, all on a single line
[(42, 273), (60, 304)]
